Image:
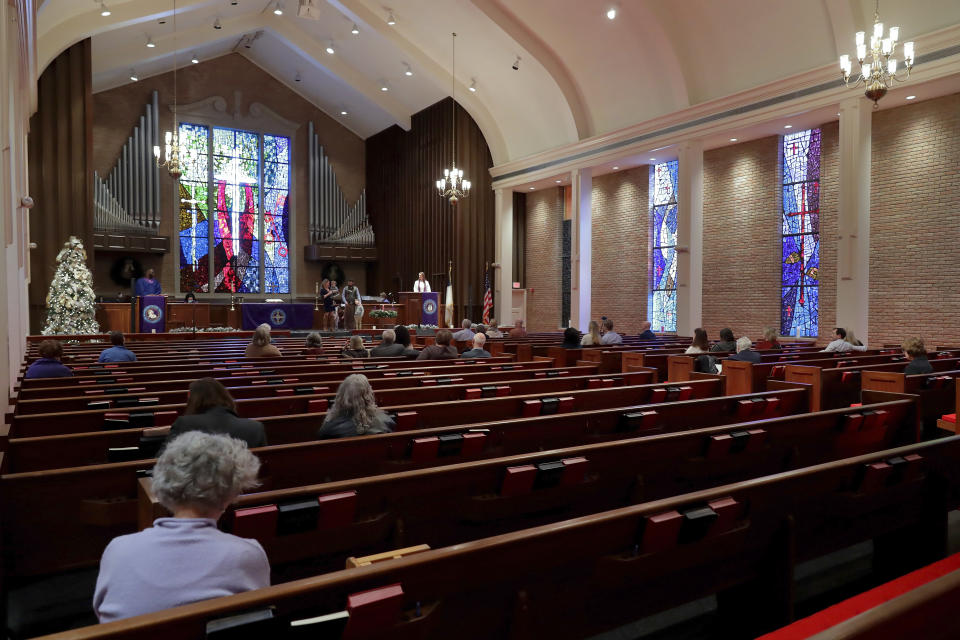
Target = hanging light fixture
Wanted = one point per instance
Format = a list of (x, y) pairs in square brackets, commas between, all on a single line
[(172, 159), (878, 64), (452, 186)]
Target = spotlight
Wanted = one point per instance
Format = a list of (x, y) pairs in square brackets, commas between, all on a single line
[(408, 72), (194, 59), (150, 43), (516, 64), (612, 13), (788, 126), (391, 20), (234, 3), (733, 139), (104, 11), (473, 85), (356, 30), (133, 75), (330, 48), (217, 25), (277, 8), (297, 77), (615, 168), (532, 188), (343, 112), (384, 87), (911, 97)]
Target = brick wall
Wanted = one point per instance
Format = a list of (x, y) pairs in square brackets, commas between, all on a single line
[(741, 238), (829, 208), (914, 235), (620, 247), (542, 256)]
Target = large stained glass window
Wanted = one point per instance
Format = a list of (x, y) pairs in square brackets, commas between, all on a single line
[(662, 302), (800, 250), (244, 179)]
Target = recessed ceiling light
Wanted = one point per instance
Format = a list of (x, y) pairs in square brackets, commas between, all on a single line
[(343, 112), (217, 25), (612, 12), (150, 43), (277, 8), (194, 59), (733, 139), (473, 85), (391, 20), (911, 97), (558, 181), (788, 126), (615, 168), (384, 87), (532, 188), (297, 77), (407, 71), (653, 159), (133, 75), (355, 30), (104, 11), (330, 48)]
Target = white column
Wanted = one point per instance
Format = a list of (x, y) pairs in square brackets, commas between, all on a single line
[(690, 238), (503, 277), (853, 219), (581, 201)]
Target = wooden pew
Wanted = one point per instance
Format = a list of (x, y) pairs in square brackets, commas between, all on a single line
[(614, 567), (937, 392)]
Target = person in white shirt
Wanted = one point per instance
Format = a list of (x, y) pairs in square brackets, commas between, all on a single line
[(421, 285), (700, 343), (840, 344), (493, 331), (609, 335), (592, 337)]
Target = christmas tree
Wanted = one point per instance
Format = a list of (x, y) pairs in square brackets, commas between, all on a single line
[(70, 303)]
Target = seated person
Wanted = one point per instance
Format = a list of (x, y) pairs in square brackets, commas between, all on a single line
[(592, 337), (48, 365), (388, 347), (571, 338), (441, 349), (260, 346), (840, 344), (700, 343), (645, 333), (190, 297), (403, 337), (744, 352), (118, 352), (916, 353), (609, 335), (769, 339), (185, 558), (726, 342), (855, 344), (354, 411), (518, 331), (211, 409), (355, 349), (313, 345), (478, 351), (466, 333), (493, 331)]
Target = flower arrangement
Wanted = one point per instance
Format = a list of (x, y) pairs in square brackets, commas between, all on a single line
[(383, 313)]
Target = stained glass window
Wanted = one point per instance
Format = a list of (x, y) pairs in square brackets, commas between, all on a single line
[(662, 302), (800, 220), (244, 178)]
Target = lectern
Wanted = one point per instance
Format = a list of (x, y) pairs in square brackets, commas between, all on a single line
[(412, 303)]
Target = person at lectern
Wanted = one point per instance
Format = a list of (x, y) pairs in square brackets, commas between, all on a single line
[(148, 285), (421, 285)]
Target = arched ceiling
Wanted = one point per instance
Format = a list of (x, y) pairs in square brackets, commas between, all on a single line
[(580, 74)]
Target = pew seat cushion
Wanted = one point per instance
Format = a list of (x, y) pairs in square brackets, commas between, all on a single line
[(949, 417), (865, 601)]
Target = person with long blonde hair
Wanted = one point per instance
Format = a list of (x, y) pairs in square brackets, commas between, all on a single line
[(592, 336)]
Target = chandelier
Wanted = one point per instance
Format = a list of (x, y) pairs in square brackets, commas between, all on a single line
[(172, 160), (878, 64), (452, 186)]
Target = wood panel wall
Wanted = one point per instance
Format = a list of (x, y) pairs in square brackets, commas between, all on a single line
[(416, 229), (60, 154)]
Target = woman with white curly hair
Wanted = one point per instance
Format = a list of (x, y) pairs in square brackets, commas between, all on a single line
[(185, 558), (354, 411)]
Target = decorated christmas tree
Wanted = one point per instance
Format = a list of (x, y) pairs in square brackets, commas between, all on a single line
[(70, 303)]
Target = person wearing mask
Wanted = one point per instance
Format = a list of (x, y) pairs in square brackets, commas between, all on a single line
[(609, 335), (466, 333), (260, 346), (190, 297), (645, 333), (211, 409), (355, 349), (388, 347), (48, 365), (185, 558), (592, 337), (441, 349), (571, 338), (147, 285), (700, 343), (477, 351), (726, 342), (118, 352), (916, 352), (744, 351), (354, 411)]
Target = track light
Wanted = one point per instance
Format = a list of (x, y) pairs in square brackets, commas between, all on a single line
[(408, 72), (297, 77), (391, 20), (330, 48), (217, 25), (150, 43), (277, 8), (516, 64), (104, 10), (133, 75), (473, 85), (356, 30), (194, 59)]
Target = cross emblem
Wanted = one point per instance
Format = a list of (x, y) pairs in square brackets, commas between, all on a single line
[(277, 316), (802, 212)]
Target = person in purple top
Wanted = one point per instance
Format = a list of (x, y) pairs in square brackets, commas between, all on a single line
[(49, 365), (147, 286), (118, 352), (185, 558)]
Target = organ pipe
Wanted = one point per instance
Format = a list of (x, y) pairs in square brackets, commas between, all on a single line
[(332, 219)]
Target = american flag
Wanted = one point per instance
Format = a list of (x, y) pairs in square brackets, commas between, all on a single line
[(487, 298)]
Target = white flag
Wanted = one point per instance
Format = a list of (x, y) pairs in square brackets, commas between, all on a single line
[(448, 309)]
